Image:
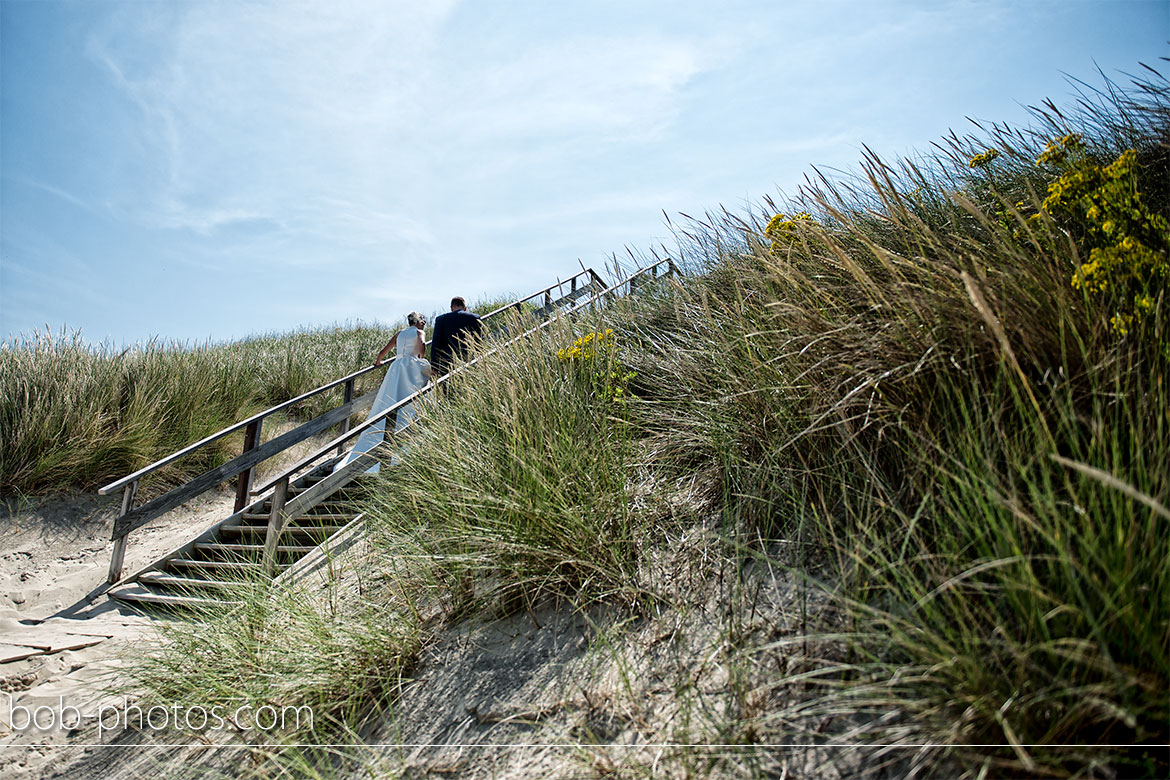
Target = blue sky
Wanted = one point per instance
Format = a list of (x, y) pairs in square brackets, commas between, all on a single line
[(199, 170)]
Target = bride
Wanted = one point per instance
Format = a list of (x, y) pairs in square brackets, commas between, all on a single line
[(408, 372)]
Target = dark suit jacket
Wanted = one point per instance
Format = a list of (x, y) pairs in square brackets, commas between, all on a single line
[(453, 334)]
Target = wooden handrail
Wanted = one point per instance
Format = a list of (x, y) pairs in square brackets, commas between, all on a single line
[(146, 470), (587, 272), (142, 472), (134, 518), (375, 419)]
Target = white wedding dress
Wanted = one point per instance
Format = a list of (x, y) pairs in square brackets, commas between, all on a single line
[(407, 373)]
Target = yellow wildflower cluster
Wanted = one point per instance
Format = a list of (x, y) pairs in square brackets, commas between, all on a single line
[(606, 379), (1063, 150), (984, 159), (587, 347), (1129, 245), (782, 229)]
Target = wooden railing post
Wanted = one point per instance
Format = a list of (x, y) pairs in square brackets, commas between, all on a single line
[(251, 441), (275, 526), (119, 554), (345, 423)]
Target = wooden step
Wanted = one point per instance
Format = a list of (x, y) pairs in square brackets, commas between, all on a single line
[(163, 580), (320, 532), (346, 489), (252, 518), (135, 595), (328, 505), (252, 569), (241, 550)]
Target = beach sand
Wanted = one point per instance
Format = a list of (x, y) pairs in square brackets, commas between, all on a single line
[(60, 635)]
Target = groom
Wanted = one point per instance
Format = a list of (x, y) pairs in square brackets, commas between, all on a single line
[(453, 334)]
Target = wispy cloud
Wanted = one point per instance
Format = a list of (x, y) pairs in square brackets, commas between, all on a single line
[(591, 86), (253, 109)]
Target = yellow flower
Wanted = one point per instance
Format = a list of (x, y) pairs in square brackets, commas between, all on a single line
[(1059, 150), (984, 159)]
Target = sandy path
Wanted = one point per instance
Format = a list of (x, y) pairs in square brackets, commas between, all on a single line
[(60, 636)]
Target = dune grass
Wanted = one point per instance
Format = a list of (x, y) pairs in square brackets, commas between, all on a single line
[(287, 676), (74, 416), (517, 484), (940, 385), (947, 374), (923, 375)]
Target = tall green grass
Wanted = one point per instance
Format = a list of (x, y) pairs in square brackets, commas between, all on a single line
[(517, 483), (307, 669), (911, 378), (74, 416), (901, 395)]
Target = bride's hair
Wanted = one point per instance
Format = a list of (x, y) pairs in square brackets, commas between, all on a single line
[(414, 318)]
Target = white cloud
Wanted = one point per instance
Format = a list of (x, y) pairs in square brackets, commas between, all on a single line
[(353, 125), (592, 87), (255, 108)]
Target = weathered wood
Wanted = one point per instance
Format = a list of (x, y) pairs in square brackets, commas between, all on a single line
[(119, 554), (299, 532), (141, 595), (348, 396), (318, 493), (345, 516), (209, 479), (276, 523), (164, 580), (244, 486), (251, 549), (187, 563)]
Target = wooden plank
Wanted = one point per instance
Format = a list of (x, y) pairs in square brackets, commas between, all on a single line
[(346, 398), (276, 521), (10, 653), (344, 516), (164, 580), (325, 552), (118, 556), (140, 595), (232, 547), (187, 563), (209, 479), (252, 436), (49, 642)]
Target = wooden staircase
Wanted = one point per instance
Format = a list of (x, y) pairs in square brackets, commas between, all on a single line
[(212, 569), (307, 514)]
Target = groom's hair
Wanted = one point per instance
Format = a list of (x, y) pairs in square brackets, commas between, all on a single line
[(458, 301)]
